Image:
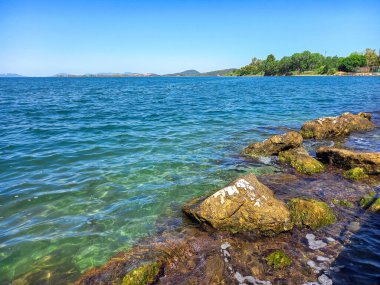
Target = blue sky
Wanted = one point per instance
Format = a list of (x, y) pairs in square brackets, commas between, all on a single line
[(41, 38)]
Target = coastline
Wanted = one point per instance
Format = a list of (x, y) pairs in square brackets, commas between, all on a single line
[(227, 255)]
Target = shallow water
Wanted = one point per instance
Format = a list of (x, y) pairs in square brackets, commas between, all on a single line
[(89, 166)]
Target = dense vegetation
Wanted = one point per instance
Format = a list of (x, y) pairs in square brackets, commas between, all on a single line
[(309, 63)]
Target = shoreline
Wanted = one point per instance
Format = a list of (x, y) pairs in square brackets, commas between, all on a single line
[(219, 76), (227, 255)]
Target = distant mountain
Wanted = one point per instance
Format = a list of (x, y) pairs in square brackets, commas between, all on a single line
[(11, 75), (107, 74), (193, 73), (220, 72), (186, 73), (190, 72)]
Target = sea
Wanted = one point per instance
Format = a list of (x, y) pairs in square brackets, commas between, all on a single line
[(90, 166)]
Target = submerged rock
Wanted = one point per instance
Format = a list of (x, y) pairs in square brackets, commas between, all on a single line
[(246, 205), (274, 144), (370, 202), (343, 203), (347, 159), (311, 213), (144, 275), (278, 259), (300, 159), (356, 173), (342, 126)]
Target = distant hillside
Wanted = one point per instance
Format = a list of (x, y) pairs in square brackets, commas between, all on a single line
[(11, 75), (186, 73), (190, 72), (107, 74), (218, 72), (193, 73)]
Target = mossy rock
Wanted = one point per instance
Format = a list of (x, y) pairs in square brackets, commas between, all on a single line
[(278, 259), (343, 203), (311, 213), (356, 173), (143, 275), (274, 144), (371, 202), (307, 134), (300, 159)]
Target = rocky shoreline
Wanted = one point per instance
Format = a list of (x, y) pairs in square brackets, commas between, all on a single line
[(283, 228)]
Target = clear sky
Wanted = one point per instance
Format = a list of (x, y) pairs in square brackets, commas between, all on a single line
[(42, 38)]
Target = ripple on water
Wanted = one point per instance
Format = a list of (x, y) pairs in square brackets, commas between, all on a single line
[(89, 166)]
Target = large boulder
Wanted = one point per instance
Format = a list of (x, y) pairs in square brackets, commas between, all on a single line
[(331, 127), (347, 159), (311, 213), (274, 145), (300, 159), (245, 205)]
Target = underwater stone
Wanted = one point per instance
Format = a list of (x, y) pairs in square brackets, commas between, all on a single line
[(311, 213), (356, 173), (370, 202), (144, 275), (278, 259), (313, 243), (324, 280), (343, 203)]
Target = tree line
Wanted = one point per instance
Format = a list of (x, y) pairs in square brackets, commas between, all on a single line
[(309, 63)]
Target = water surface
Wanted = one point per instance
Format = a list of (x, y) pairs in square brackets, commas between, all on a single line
[(90, 165)]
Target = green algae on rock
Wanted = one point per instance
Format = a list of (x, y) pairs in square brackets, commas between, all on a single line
[(343, 203), (245, 205), (332, 127), (274, 144), (347, 159), (356, 173), (144, 275), (370, 202), (311, 213), (278, 259), (300, 159)]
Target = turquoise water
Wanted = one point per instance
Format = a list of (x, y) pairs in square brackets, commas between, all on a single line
[(88, 166)]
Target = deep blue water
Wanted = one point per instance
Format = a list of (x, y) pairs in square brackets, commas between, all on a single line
[(88, 166)]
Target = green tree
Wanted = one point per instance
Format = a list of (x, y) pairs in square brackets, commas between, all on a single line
[(352, 62), (371, 56), (285, 66), (270, 66)]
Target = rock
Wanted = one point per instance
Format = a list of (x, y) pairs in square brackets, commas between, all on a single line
[(356, 173), (331, 127), (370, 202), (246, 205), (314, 244), (368, 116), (274, 144), (278, 259), (311, 213), (347, 159), (144, 275), (300, 159), (343, 203)]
